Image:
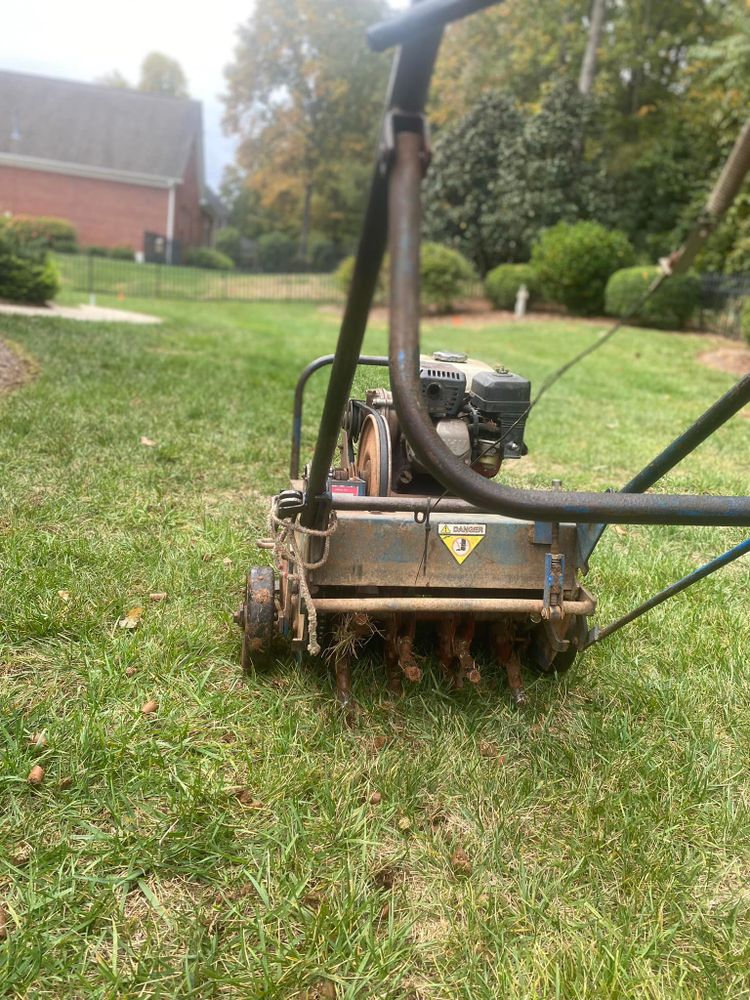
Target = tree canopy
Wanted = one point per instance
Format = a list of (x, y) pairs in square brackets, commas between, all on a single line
[(617, 111), (160, 74), (304, 97), (163, 75)]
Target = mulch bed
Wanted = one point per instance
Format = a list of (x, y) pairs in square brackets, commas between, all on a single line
[(735, 360)]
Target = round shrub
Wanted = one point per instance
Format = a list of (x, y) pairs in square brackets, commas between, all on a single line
[(207, 257), (445, 276), (27, 278), (669, 308), (345, 273), (501, 284), (573, 262), (277, 253), (41, 231)]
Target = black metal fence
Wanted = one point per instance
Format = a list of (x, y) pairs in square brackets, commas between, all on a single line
[(722, 298), (129, 279)]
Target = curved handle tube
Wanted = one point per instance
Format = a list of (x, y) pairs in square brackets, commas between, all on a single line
[(404, 218), (419, 19)]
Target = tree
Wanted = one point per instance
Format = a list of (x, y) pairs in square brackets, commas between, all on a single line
[(517, 48), (502, 174), (113, 79), (162, 75), (305, 98), (588, 66)]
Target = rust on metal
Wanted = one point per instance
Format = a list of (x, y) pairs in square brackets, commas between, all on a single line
[(448, 605)]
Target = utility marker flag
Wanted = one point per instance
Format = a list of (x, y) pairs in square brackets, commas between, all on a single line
[(461, 539)]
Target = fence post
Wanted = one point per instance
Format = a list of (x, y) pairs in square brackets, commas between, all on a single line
[(158, 280)]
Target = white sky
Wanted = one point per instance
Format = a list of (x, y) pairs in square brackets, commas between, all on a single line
[(84, 39)]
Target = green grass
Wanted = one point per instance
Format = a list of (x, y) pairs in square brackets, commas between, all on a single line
[(225, 846)]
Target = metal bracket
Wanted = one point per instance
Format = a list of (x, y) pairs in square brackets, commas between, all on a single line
[(554, 574), (396, 121)]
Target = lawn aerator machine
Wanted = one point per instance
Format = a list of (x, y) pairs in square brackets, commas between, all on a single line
[(398, 519)]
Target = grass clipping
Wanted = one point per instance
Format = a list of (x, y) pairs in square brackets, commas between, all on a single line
[(350, 633)]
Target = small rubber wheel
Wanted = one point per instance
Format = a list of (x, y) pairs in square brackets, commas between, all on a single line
[(543, 658), (259, 614)]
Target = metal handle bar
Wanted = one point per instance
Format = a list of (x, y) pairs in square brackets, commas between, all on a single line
[(419, 19), (299, 395), (404, 221)]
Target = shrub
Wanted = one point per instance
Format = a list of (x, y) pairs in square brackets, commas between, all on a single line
[(95, 251), (573, 262), (345, 273), (505, 171), (26, 277), (445, 276), (122, 253), (324, 255), (42, 232), (207, 257), (229, 241), (501, 285), (669, 308), (277, 253)]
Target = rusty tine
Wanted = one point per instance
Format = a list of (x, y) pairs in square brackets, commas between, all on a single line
[(407, 660), (393, 671)]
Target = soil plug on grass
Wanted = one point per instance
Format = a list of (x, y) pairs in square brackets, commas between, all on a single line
[(38, 740), (460, 862), (3, 924), (36, 775), (149, 707)]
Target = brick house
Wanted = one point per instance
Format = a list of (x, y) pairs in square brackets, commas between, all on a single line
[(116, 163)]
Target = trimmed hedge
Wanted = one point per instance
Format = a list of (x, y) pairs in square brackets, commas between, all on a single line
[(445, 275), (26, 277), (669, 308), (207, 257), (501, 284), (345, 273), (122, 253), (42, 232), (573, 262)]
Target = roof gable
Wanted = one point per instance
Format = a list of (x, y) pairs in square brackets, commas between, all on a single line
[(105, 129)]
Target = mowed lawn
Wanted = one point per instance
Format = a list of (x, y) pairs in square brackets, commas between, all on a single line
[(226, 844)]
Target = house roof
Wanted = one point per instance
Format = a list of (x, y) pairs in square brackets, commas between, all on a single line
[(93, 130)]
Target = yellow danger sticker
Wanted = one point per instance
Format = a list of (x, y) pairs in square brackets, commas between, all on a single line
[(461, 539)]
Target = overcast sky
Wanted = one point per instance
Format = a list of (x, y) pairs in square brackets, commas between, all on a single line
[(84, 39)]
